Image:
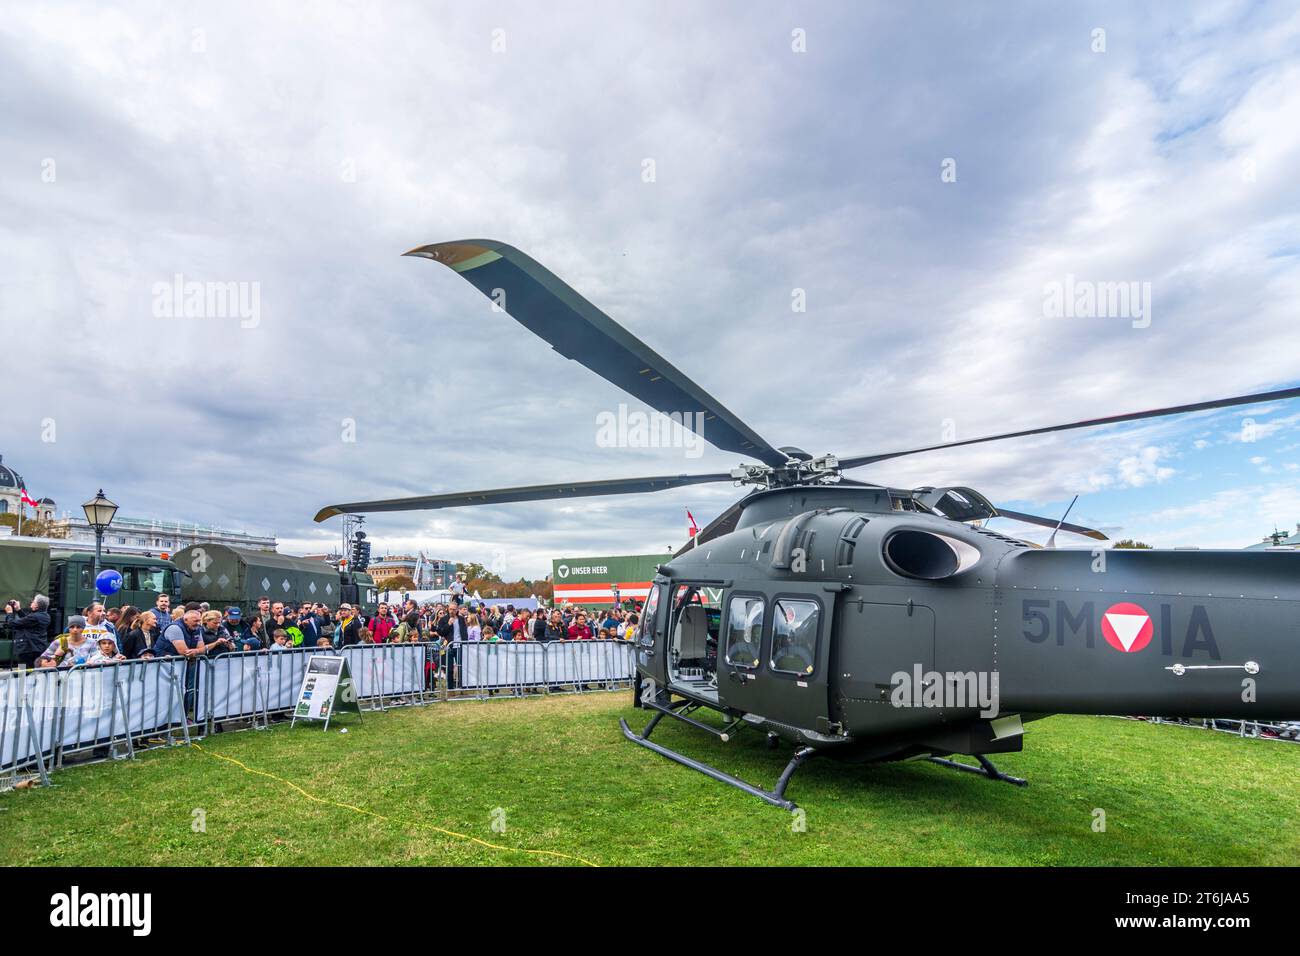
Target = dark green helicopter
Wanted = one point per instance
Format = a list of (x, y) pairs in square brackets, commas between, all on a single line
[(868, 623)]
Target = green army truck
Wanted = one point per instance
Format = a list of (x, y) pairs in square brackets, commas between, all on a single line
[(236, 577), (72, 582), (67, 577), (359, 590), (24, 573)]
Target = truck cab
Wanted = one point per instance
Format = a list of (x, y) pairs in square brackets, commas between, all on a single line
[(72, 582)]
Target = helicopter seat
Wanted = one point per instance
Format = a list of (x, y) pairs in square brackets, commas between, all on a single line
[(693, 633)]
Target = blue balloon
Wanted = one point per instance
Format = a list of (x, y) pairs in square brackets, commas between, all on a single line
[(108, 582)]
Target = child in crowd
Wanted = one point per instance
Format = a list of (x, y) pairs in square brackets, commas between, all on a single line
[(106, 652), (280, 639), (71, 648)]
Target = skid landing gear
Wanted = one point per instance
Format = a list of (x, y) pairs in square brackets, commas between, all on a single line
[(985, 769), (775, 796)]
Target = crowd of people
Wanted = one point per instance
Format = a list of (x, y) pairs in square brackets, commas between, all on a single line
[(193, 630)]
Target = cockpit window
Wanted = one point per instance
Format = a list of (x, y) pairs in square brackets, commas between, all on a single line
[(794, 636), (647, 623)]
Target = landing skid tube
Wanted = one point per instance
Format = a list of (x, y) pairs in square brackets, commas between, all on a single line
[(775, 796), (985, 769)]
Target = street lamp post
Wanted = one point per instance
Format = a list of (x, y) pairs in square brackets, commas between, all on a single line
[(99, 515)]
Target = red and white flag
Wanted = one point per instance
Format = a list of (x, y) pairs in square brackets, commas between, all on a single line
[(28, 501), (694, 529)]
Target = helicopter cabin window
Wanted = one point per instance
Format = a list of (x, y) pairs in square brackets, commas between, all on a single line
[(693, 633), (744, 631), (794, 636)]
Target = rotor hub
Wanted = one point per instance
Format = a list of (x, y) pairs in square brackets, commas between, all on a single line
[(800, 469)]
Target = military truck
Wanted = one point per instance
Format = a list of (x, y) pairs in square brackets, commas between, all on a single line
[(359, 590), (67, 576), (24, 573), (225, 576)]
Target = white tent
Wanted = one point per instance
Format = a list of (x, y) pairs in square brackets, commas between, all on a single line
[(420, 597)]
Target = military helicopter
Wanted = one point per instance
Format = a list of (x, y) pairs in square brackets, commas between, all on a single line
[(869, 623)]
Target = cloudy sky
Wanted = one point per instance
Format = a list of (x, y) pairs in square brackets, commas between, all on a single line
[(927, 174)]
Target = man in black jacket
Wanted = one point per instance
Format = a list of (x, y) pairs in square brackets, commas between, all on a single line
[(30, 628), (555, 628), (309, 626), (452, 630), (348, 626)]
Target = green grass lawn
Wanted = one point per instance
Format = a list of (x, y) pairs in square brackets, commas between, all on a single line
[(569, 783)]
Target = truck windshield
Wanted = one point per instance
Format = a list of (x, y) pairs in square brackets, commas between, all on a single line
[(153, 579)]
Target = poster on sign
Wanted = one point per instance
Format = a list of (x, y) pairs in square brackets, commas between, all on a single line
[(327, 689)]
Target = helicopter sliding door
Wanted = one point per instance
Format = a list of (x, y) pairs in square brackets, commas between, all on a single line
[(692, 640), (650, 655), (774, 655)]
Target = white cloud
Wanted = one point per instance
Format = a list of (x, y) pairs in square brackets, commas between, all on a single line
[(775, 171)]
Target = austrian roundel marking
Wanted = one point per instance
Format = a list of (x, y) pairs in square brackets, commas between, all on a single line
[(1126, 627)]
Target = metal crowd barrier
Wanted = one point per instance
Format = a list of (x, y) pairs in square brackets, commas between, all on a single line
[(473, 670), (114, 710), (258, 685), (47, 715), (388, 674), (249, 685), (1238, 727)]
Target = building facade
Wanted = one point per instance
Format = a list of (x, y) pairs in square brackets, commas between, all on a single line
[(12, 489), (149, 534), (428, 574), (393, 566)]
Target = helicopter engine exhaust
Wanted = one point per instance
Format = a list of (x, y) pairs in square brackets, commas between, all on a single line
[(927, 556)]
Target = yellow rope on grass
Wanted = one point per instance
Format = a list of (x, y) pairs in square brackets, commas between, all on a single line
[(380, 816)]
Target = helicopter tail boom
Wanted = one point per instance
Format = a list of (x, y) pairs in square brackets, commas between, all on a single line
[(1168, 633)]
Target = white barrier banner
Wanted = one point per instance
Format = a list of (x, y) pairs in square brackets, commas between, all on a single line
[(499, 663), (18, 689), (530, 663), (94, 710), (570, 662), (386, 669), (226, 683), (87, 705)]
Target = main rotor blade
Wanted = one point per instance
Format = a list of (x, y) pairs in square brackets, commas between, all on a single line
[(1273, 396), (497, 496), (1054, 523), (545, 304)]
